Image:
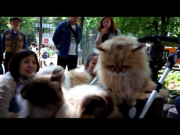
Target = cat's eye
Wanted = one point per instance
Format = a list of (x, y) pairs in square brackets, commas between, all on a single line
[(125, 66)]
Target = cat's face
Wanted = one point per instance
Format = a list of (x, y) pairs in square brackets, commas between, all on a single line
[(43, 90), (121, 56)]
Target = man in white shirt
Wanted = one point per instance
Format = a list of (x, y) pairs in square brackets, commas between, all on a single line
[(66, 38)]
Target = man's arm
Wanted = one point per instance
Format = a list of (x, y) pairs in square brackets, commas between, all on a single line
[(2, 48), (3, 43), (57, 34)]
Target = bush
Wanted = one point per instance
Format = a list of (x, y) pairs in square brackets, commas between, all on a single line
[(172, 84)]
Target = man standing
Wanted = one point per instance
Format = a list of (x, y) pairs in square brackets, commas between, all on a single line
[(13, 40), (66, 38)]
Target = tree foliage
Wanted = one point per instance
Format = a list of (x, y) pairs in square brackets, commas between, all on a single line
[(141, 26), (137, 26), (27, 26)]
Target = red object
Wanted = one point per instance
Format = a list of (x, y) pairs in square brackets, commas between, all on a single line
[(46, 40)]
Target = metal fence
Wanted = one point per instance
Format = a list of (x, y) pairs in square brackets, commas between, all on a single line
[(88, 42)]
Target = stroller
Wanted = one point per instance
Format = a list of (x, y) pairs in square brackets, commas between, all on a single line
[(157, 61)]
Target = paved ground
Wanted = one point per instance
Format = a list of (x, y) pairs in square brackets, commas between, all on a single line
[(53, 59)]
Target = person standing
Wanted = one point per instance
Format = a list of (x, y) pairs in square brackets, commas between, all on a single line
[(66, 38), (80, 57), (43, 55), (107, 30), (13, 40)]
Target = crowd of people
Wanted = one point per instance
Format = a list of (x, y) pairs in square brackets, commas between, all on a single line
[(22, 63)]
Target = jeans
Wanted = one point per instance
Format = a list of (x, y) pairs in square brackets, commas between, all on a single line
[(177, 104)]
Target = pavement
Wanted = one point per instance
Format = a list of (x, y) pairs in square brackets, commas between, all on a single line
[(53, 59)]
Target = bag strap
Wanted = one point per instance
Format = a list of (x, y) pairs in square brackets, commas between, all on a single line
[(75, 34)]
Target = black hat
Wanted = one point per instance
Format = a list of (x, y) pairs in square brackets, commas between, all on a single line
[(15, 18)]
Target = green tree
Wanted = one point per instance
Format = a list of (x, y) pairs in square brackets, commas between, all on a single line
[(142, 26), (28, 27), (4, 23)]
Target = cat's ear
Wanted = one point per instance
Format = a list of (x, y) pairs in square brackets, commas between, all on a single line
[(100, 48), (57, 75), (138, 47)]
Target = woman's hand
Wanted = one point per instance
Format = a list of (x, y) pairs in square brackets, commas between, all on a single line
[(103, 31)]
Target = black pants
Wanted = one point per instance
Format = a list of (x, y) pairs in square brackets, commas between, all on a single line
[(8, 56), (71, 62)]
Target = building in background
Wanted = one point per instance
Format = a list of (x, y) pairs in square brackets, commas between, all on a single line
[(48, 30)]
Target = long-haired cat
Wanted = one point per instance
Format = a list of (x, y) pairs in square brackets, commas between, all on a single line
[(70, 78), (41, 97), (87, 101), (122, 67), (74, 78)]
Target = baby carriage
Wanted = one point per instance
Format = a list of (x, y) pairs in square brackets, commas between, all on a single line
[(145, 108)]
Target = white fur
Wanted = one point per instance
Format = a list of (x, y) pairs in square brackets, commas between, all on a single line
[(49, 70), (74, 97), (24, 104), (67, 81)]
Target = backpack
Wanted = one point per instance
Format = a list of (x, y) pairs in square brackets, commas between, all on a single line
[(45, 55)]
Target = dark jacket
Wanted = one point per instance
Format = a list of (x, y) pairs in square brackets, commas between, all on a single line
[(62, 38)]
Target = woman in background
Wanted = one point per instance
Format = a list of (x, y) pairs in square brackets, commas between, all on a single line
[(107, 30)]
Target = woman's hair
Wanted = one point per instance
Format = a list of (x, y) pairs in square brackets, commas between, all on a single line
[(15, 61), (89, 58), (112, 28)]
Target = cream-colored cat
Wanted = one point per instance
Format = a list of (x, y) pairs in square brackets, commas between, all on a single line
[(73, 78), (122, 67)]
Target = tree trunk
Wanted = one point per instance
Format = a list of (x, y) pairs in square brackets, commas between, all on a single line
[(164, 25), (81, 23), (155, 22), (40, 35)]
